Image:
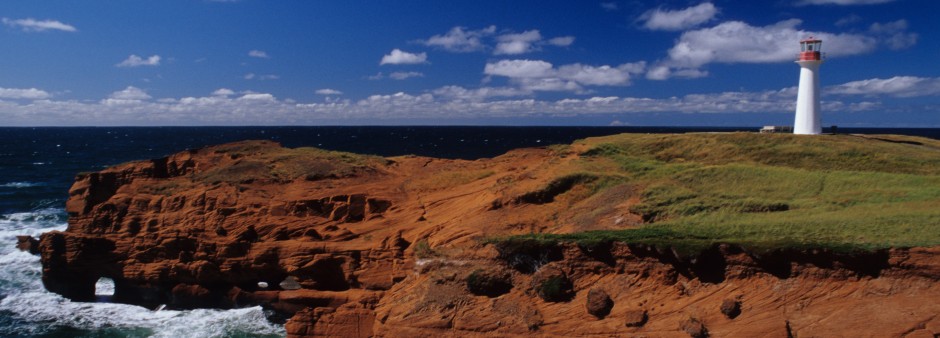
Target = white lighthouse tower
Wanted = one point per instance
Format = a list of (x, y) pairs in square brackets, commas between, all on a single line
[(807, 99)]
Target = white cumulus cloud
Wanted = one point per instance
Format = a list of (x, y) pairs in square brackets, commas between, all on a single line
[(328, 91), (27, 93), (463, 94), (223, 92), (459, 39), (130, 93), (258, 54), (258, 97), (601, 75), (33, 25), (519, 43), (399, 57), (561, 41), (538, 75), (137, 61), (739, 42), (663, 72), (519, 68), (404, 75), (676, 20), (526, 42)]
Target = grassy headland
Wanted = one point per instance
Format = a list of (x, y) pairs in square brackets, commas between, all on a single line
[(840, 192)]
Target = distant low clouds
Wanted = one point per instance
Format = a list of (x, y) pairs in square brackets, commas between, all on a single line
[(399, 57), (128, 96), (328, 91), (461, 94), (898, 86), (462, 40), (27, 93), (258, 97), (610, 6), (258, 54), (33, 25), (677, 20), (137, 61), (134, 106)]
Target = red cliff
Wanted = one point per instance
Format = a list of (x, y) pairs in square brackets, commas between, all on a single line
[(358, 246)]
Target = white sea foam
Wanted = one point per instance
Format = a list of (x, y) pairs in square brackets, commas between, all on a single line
[(38, 219), (37, 311), (28, 223), (19, 185), (42, 308)]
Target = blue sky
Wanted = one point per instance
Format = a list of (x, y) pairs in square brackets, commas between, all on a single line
[(254, 62)]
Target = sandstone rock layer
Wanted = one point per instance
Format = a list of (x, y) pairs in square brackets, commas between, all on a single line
[(360, 246)]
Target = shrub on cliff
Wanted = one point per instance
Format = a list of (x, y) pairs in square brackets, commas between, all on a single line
[(555, 289), (423, 249), (489, 283), (527, 254)]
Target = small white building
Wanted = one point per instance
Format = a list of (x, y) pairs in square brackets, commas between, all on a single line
[(776, 129)]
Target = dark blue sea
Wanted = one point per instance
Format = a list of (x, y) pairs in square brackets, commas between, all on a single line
[(37, 166)]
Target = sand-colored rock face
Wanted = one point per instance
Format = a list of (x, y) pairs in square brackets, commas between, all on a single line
[(358, 246)]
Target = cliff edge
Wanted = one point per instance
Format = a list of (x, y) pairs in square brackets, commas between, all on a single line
[(630, 235)]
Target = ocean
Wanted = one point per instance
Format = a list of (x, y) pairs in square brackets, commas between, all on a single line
[(37, 166)]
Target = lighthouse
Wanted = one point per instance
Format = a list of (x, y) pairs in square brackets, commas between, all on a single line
[(807, 98)]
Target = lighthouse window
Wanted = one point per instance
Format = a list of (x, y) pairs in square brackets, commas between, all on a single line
[(810, 47)]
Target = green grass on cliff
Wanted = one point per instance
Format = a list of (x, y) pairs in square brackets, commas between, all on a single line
[(773, 191), (265, 161), (270, 162)]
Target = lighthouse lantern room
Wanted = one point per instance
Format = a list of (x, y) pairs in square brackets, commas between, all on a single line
[(810, 49), (807, 120)]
